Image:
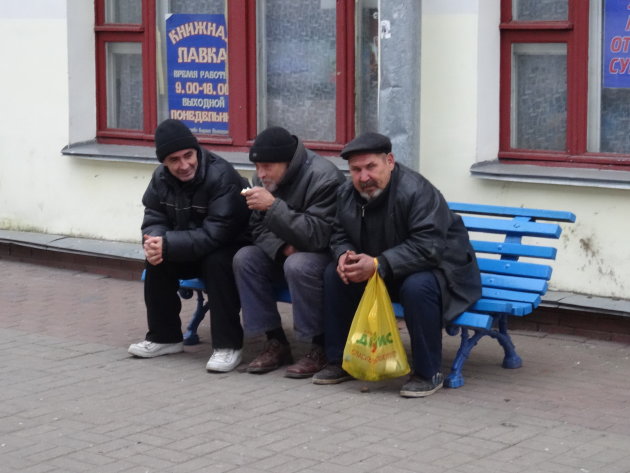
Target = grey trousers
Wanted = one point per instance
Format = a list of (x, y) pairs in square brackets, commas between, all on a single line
[(257, 276)]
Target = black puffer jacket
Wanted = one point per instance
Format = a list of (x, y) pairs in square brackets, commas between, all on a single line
[(200, 215), (419, 233), (304, 208)]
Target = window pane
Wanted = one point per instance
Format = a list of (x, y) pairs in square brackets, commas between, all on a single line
[(189, 7), (540, 10), (296, 67), (609, 78), (367, 66), (197, 6), (124, 85), (123, 11), (539, 96)]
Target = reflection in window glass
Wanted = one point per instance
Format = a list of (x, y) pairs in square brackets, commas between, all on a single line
[(197, 6), (367, 66), (123, 11), (609, 85), (540, 10), (296, 67), (539, 96), (163, 9), (124, 85)]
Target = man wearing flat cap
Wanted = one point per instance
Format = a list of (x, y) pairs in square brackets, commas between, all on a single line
[(293, 204), (392, 213), (194, 222)]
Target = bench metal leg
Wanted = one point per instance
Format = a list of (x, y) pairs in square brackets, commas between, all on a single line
[(455, 379), (511, 359), (190, 336)]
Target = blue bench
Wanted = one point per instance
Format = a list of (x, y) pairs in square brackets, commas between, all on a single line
[(511, 287)]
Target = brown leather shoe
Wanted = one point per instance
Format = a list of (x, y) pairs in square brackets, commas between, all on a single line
[(273, 356), (307, 366)]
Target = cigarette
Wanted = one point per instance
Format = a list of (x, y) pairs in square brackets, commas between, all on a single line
[(244, 191)]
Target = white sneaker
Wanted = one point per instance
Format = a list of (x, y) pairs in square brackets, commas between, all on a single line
[(224, 359), (147, 349)]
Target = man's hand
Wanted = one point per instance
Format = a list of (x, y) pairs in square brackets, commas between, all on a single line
[(153, 246), (258, 198), (353, 267), (288, 250)]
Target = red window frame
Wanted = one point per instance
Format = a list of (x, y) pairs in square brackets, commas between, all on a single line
[(242, 78), (575, 34)]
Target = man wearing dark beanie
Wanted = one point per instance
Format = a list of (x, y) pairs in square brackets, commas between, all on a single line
[(293, 203), (194, 222)]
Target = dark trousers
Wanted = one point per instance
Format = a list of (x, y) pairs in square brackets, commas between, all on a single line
[(163, 302), (419, 294)]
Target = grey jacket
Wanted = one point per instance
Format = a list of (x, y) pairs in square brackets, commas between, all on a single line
[(420, 233), (304, 208)]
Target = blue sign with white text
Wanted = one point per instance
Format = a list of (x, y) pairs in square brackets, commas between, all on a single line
[(196, 58), (616, 44)]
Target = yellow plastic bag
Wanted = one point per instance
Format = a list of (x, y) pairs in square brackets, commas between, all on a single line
[(374, 350)]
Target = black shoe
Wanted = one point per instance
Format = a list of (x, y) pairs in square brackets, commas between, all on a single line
[(331, 374), (419, 387)]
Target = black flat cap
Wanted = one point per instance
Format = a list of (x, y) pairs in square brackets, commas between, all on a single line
[(369, 142)]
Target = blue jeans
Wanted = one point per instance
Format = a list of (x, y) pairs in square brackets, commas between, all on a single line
[(418, 293), (257, 276)]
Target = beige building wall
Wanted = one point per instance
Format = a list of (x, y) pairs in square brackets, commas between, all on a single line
[(47, 101), (460, 126)]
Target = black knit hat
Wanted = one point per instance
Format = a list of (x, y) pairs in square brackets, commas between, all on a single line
[(273, 145), (171, 136), (369, 142)]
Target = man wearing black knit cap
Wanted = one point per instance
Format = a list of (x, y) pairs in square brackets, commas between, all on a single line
[(293, 203), (394, 215), (194, 222)]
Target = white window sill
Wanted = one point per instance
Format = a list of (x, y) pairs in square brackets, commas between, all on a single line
[(146, 154), (140, 154), (552, 175)]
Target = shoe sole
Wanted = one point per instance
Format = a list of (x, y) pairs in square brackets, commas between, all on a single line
[(166, 351), (292, 375), (223, 369), (267, 369), (420, 393), (332, 381)]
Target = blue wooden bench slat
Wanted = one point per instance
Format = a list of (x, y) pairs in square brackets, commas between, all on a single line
[(533, 229), (492, 305), (514, 249), (474, 320), (510, 287), (516, 296), (497, 210), (521, 308), (515, 268), (500, 281)]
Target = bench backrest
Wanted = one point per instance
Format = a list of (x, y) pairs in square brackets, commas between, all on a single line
[(498, 235)]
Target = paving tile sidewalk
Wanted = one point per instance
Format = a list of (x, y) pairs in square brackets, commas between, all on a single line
[(72, 400)]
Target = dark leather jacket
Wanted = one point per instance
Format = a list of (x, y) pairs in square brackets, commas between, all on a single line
[(304, 208), (198, 216), (419, 233)]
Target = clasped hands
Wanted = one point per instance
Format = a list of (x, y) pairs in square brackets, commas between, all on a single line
[(153, 249), (353, 267)]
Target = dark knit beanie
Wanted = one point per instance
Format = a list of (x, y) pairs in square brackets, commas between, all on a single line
[(171, 136), (273, 145)]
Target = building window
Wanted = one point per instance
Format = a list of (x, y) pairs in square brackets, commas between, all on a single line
[(283, 65), (565, 83)]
